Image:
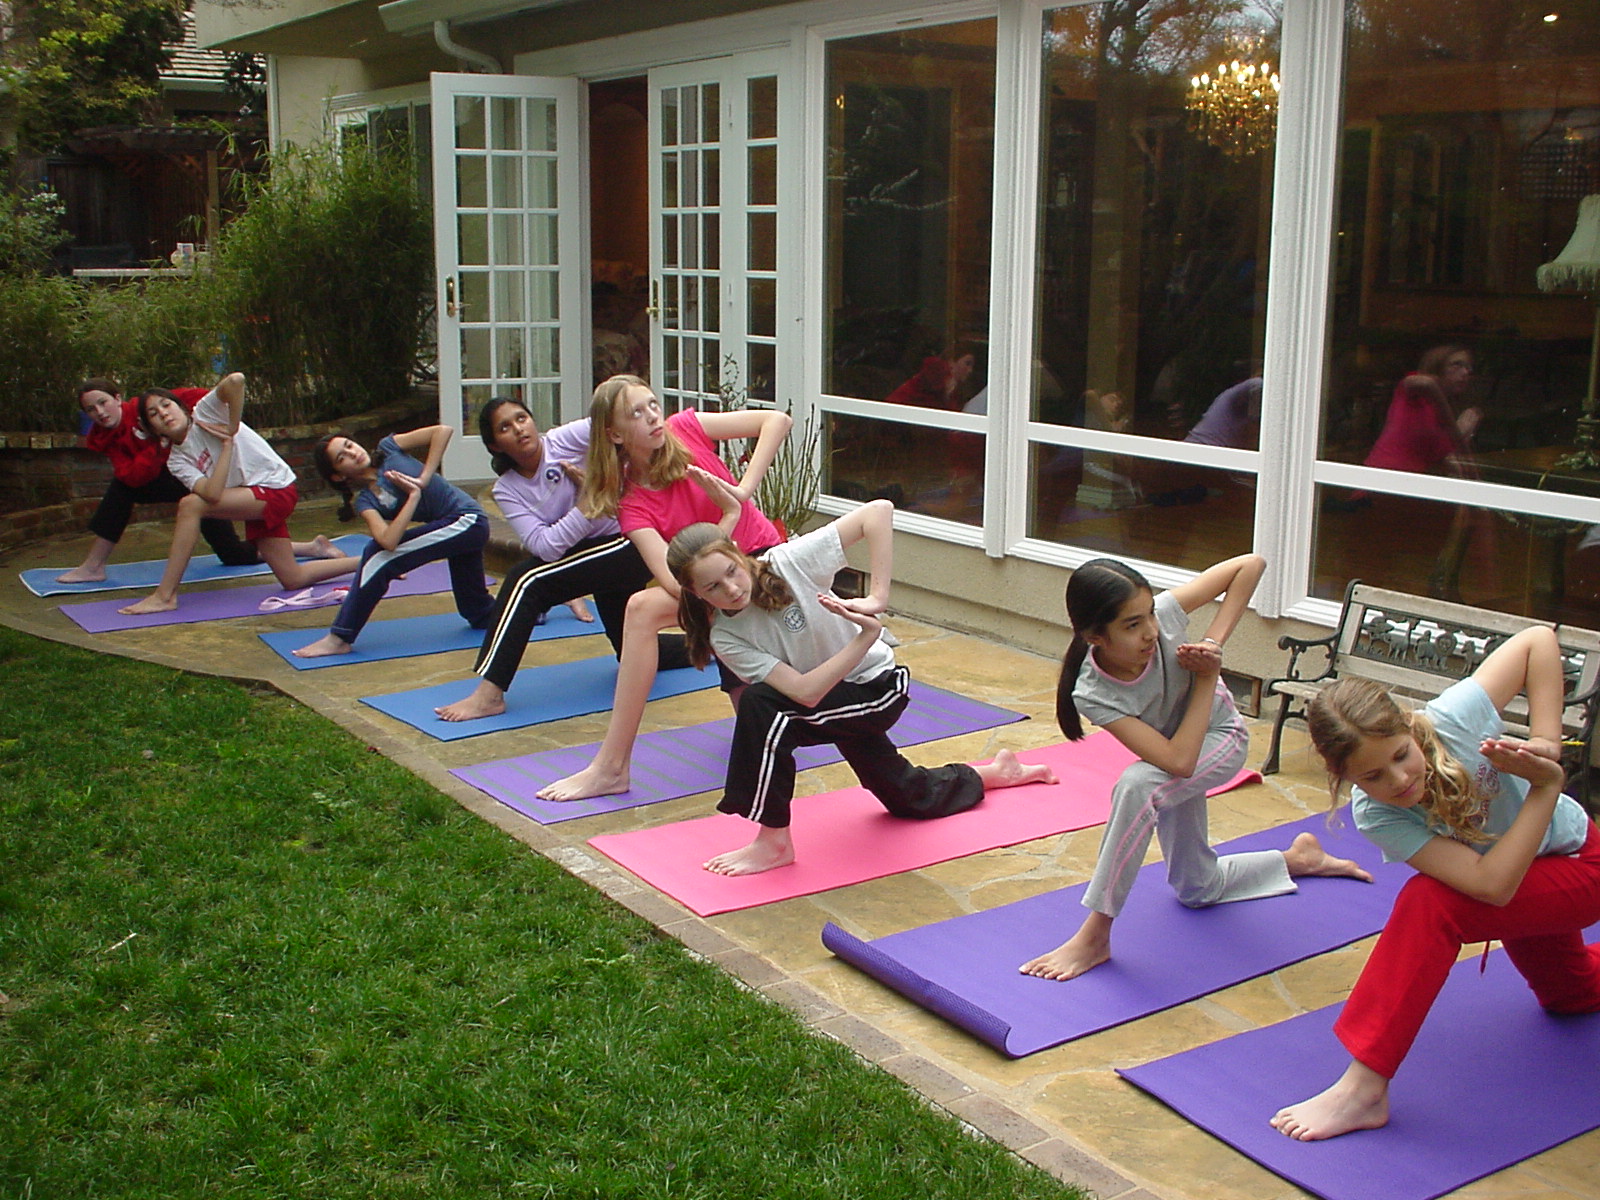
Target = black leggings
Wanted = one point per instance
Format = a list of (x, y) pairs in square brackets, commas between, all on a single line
[(609, 568), (116, 507)]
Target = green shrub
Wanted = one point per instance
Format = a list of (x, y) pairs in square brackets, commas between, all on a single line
[(160, 332), (41, 351), (324, 283)]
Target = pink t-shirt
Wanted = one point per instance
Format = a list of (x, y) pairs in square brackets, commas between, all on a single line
[(685, 502), (1415, 435)]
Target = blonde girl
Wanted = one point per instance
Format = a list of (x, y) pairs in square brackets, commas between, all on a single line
[(656, 475), (817, 672), (1131, 670), (1499, 852)]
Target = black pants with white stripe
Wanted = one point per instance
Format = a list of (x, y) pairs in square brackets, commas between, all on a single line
[(857, 718), (610, 569)]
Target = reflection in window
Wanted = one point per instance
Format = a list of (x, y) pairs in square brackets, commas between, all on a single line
[(1471, 133), (1151, 285), (910, 192), (933, 471)]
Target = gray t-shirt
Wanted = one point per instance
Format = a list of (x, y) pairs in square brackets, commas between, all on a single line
[(804, 634), (1463, 715), (1158, 697)]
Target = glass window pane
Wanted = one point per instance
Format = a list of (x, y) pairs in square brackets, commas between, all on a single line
[(710, 114), (541, 183), (762, 358), (936, 471), (1460, 342), (689, 167), (763, 315), (474, 304), (711, 178), (669, 116), (509, 360), (472, 239), (509, 290), (711, 299), (544, 349), (473, 398), (691, 242), (541, 125), (690, 316), (711, 252), (505, 119), (669, 181), (508, 249), (669, 368), (543, 302), (472, 188), (690, 115), (671, 318), (475, 362), (669, 241), (763, 245), (764, 175), (763, 102), (469, 123), (507, 172), (910, 160), (542, 248)]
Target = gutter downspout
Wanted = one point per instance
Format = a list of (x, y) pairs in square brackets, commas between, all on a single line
[(486, 63)]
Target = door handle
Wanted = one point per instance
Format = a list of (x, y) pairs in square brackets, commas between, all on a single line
[(653, 309), (451, 308)]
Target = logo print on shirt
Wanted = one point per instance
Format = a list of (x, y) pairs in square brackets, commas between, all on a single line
[(793, 619)]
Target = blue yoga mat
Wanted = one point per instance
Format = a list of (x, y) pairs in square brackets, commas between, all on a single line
[(1162, 954), (412, 637), (1491, 1080), (41, 581), (537, 695)]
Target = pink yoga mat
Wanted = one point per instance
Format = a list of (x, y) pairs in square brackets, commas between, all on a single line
[(845, 837)]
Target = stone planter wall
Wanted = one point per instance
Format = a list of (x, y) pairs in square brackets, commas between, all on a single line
[(49, 484)]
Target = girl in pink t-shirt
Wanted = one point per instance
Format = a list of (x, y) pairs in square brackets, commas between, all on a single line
[(656, 475)]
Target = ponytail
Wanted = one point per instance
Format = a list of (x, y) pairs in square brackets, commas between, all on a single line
[(319, 456), (1066, 709)]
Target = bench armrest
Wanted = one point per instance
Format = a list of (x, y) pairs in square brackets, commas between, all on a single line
[(1298, 646)]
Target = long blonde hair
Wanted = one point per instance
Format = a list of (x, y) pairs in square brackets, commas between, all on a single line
[(605, 474), (688, 546), (1348, 713)]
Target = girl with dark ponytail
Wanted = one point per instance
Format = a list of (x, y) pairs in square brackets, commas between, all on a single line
[(1131, 670)]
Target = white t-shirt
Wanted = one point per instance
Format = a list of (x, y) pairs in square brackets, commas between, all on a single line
[(804, 634), (1463, 715), (255, 463)]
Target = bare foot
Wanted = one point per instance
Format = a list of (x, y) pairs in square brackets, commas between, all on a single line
[(321, 547), (1359, 1100), (325, 647), (486, 700), (1083, 951), (153, 603), (1006, 771), (1305, 856), (771, 848), (593, 780), (83, 575), (580, 609)]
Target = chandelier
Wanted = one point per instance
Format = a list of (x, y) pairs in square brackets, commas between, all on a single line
[(1236, 110)]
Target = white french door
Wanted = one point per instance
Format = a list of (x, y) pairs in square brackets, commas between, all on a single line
[(714, 245), (512, 267)]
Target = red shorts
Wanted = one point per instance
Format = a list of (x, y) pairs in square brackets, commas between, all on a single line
[(274, 519)]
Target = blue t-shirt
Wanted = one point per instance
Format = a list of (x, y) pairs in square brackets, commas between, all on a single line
[(440, 498), (1463, 715)]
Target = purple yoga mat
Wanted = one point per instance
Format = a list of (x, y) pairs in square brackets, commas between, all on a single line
[(1491, 1080), (101, 616), (965, 968), (683, 762)]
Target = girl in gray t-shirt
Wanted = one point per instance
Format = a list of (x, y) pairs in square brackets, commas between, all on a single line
[(816, 671), (1131, 671)]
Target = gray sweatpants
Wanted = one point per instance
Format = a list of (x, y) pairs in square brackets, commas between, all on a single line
[(1147, 800)]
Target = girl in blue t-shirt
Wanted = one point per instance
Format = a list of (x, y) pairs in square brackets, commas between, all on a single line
[(1132, 670), (1500, 853), (415, 516)]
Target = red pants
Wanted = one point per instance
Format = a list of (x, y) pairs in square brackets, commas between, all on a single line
[(1542, 930)]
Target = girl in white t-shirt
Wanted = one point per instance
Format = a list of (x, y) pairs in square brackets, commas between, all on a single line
[(817, 672), (1500, 853), (231, 473), (1132, 670)]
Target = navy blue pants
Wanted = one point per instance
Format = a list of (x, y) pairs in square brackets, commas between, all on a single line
[(458, 540)]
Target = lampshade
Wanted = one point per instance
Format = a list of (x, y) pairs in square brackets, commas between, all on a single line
[(1577, 267)]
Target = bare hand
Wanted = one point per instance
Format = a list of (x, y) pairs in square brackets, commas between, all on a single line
[(1202, 658), (719, 489), (869, 606), (1516, 757), (407, 483), (840, 608), (574, 472), (224, 432)]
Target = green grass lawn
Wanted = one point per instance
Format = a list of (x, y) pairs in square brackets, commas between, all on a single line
[(243, 955)]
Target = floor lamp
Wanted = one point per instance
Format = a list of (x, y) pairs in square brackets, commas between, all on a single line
[(1577, 269)]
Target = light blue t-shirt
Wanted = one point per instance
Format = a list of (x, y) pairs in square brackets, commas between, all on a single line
[(1463, 715)]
